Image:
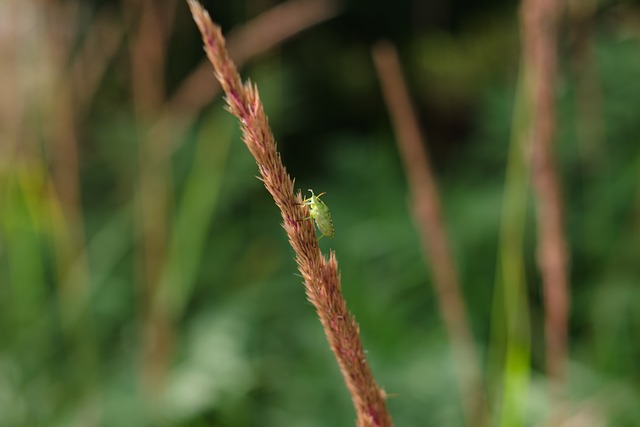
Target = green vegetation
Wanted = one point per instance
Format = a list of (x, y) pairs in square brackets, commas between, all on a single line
[(145, 279)]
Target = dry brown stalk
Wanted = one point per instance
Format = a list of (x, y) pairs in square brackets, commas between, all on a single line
[(148, 58), (321, 275), (539, 37), (428, 216)]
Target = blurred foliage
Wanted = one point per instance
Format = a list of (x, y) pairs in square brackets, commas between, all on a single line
[(216, 331)]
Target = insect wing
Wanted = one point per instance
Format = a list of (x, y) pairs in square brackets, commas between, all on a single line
[(323, 218)]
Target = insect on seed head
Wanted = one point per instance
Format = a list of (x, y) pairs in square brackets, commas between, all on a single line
[(319, 212)]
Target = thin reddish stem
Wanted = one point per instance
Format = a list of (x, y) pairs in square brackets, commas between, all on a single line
[(321, 275), (539, 37), (433, 235)]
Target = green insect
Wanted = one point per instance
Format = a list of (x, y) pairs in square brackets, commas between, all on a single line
[(320, 213)]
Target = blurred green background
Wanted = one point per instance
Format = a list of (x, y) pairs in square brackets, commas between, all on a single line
[(144, 277)]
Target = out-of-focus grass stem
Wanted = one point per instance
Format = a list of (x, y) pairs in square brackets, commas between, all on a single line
[(510, 348), (539, 21), (148, 61), (426, 203)]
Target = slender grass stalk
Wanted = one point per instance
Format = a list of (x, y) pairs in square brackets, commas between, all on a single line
[(194, 213), (148, 59), (510, 348), (321, 275), (433, 235), (539, 36)]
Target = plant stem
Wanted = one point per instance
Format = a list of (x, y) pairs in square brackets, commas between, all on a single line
[(539, 36), (433, 235), (321, 275)]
